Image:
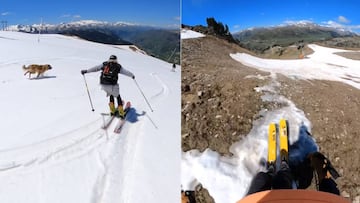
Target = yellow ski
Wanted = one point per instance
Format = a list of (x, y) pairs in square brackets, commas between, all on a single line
[(283, 138), (272, 144)]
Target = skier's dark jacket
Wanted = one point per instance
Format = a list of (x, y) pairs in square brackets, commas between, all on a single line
[(109, 72)]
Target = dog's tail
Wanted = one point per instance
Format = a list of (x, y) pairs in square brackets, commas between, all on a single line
[(24, 67)]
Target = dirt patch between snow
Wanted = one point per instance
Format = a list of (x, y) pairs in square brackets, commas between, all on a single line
[(219, 105), (349, 55), (218, 102), (333, 109)]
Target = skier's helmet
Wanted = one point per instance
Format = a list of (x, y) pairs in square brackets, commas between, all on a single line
[(113, 58)]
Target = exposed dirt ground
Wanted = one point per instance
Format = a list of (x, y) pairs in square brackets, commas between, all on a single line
[(350, 55), (212, 81), (217, 105), (286, 52)]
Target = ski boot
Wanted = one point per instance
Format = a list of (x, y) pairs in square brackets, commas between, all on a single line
[(112, 109), (121, 111)]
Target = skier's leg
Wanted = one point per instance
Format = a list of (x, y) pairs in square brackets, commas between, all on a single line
[(112, 105), (120, 106), (283, 179), (261, 182), (119, 100)]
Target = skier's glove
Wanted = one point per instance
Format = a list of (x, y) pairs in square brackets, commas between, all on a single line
[(133, 77), (83, 71)]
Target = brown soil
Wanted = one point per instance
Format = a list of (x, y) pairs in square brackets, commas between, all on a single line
[(333, 109), (219, 105), (350, 55), (218, 102), (290, 52)]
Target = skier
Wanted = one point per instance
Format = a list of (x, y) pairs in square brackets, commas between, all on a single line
[(109, 82), (299, 171), (283, 178)]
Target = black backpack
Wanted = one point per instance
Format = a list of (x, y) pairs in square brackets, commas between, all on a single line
[(109, 74)]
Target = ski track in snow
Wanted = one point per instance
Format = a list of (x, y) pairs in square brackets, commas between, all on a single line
[(66, 157), (62, 148), (73, 144), (164, 89), (118, 159), (126, 147)]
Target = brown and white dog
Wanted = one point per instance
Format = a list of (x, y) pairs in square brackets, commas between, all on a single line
[(34, 68)]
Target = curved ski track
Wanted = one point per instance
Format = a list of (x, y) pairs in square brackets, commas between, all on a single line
[(64, 147), (164, 91)]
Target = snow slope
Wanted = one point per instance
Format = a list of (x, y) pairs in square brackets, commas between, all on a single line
[(323, 64), (189, 34), (228, 178), (52, 148)]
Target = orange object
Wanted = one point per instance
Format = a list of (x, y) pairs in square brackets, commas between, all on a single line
[(184, 198), (293, 196)]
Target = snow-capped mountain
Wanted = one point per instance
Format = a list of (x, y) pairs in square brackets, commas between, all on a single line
[(159, 42), (302, 25), (262, 38), (50, 28)]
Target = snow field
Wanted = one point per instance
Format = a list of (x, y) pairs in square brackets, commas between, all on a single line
[(53, 149), (189, 34)]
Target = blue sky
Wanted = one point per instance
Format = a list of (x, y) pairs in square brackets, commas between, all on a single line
[(243, 14), (162, 13)]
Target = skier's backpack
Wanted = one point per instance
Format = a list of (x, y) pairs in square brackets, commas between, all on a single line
[(109, 74)]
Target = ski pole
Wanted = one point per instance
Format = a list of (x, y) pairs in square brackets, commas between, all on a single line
[(92, 107), (143, 95)]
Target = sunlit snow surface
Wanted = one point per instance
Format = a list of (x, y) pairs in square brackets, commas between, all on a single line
[(189, 34), (52, 148)]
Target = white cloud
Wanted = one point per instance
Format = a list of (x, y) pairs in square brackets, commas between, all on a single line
[(235, 28), (177, 18), (293, 22), (334, 24), (5, 13), (343, 19), (70, 16), (65, 16)]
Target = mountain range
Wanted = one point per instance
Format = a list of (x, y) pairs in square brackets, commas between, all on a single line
[(162, 43), (263, 38)]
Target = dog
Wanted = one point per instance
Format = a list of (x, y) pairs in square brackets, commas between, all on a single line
[(34, 68)]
